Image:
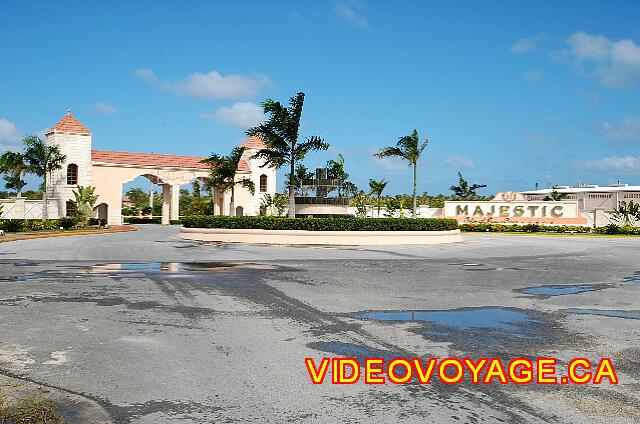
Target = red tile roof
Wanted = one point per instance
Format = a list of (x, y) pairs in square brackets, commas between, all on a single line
[(243, 166), (69, 125), (254, 142), (155, 159)]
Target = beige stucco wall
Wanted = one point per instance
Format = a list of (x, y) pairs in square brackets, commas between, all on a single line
[(334, 238)]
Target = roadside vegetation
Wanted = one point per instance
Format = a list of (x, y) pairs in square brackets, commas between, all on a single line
[(28, 411), (320, 224)]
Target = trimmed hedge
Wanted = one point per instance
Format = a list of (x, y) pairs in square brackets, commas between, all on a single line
[(27, 225), (320, 224), (139, 220), (527, 228)]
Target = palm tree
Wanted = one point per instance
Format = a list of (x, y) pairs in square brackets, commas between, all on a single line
[(377, 187), (223, 174), (408, 148), (336, 171), (43, 160), (14, 165), (280, 134), (555, 196), (85, 201), (465, 191)]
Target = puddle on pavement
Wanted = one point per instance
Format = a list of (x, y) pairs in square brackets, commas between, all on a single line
[(635, 278), (116, 270), (350, 350), (171, 267), (605, 313), (469, 328), (561, 289)]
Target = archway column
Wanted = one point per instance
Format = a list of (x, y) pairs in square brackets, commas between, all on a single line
[(166, 204), (175, 201)]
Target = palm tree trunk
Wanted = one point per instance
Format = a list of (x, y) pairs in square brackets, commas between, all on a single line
[(292, 192), (45, 203), (378, 206), (232, 212), (415, 184)]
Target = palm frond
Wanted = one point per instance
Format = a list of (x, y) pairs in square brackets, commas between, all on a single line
[(248, 184), (390, 151)]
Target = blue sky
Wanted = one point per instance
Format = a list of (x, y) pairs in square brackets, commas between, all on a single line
[(509, 92)]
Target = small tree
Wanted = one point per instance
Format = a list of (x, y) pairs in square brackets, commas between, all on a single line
[(627, 214), (280, 133), (465, 191), (377, 187), (280, 202), (43, 160), (408, 148), (85, 201), (14, 165), (223, 174)]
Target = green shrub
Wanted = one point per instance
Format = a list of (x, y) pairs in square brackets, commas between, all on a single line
[(97, 222), (25, 225), (320, 224), (141, 220), (175, 222), (528, 228), (68, 222)]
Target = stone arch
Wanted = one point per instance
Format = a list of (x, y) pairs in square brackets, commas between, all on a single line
[(102, 211)]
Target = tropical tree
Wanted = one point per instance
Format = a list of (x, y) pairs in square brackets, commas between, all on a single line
[(223, 174), (376, 188), (627, 213), (301, 173), (335, 171), (14, 166), (465, 191), (280, 132), (85, 201), (554, 196), (42, 159), (408, 148)]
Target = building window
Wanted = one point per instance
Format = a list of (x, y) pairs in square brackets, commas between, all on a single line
[(71, 208), (72, 174), (263, 183)]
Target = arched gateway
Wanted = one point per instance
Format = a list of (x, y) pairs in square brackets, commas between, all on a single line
[(107, 171)]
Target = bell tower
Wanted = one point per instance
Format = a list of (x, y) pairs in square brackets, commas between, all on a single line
[(74, 141)]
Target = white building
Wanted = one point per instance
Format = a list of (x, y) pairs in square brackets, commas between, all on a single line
[(108, 171)]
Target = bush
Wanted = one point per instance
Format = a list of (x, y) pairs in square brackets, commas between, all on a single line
[(175, 222), (25, 225), (528, 228), (141, 220), (97, 222), (320, 224), (68, 222)]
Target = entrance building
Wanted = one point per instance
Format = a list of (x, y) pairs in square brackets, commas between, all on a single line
[(107, 171)]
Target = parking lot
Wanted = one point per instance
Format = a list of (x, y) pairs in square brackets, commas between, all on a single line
[(158, 329)]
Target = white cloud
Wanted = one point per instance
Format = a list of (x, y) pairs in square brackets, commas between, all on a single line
[(390, 164), (458, 162), (350, 11), (105, 109), (533, 75), (211, 85), (627, 130), (147, 75), (627, 165), (614, 63), (9, 135), (241, 114), (526, 45)]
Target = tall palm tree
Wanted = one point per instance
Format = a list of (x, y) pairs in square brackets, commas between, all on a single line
[(223, 174), (14, 165), (280, 134), (43, 160), (377, 187), (408, 148)]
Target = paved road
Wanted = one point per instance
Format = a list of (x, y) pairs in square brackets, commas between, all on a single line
[(165, 340)]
